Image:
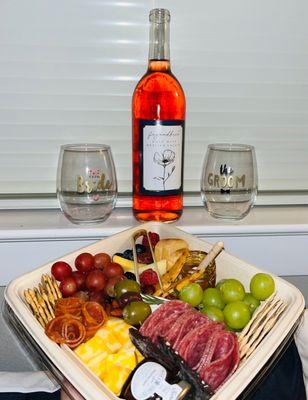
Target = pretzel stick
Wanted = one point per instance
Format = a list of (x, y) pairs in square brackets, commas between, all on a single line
[(169, 278)]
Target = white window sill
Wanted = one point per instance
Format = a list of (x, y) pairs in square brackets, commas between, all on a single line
[(25, 225)]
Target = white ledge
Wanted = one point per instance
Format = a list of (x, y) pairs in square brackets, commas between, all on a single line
[(25, 225)]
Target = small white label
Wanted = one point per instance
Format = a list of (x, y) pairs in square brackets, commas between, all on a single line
[(150, 378), (162, 157)]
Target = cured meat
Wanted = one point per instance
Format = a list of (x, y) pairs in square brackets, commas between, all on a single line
[(177, 307), (163, 327), (186, 322), (193, 345), (219, 359), (178, 369), (76, 321), (69, 305), (206, 347), (66, 329), (93, 317), (93, 314)]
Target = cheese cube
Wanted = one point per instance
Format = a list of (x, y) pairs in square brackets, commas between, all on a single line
[(125, 358), (92, 348), (110, 354), (120, 330), (106, 335), (97, 364), (114, 376)]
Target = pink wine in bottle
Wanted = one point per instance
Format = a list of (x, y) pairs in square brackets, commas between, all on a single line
[(158, 112)]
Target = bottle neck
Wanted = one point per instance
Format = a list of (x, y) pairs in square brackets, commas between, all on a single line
[(159, 49)]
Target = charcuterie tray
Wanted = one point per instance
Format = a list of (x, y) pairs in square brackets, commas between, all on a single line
[(66, 367)]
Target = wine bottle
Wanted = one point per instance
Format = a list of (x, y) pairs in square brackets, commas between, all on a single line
[(158, 113), (149, 381)]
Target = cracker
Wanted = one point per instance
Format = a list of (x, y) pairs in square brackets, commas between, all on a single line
[(258, 314), (261, 323), (44, 294), (33, 307), (48, 291), (42, 299), (43, 304), (52, 295), (56, 287), (261, 331), (39, 307)]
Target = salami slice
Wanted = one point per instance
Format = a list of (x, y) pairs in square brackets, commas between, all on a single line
[(205, 345), (170, 307), (174, 331), (220, 358), (163, 327), (184, 324), (194, 344)]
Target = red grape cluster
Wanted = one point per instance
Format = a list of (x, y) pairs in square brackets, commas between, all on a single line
[(94, 278)]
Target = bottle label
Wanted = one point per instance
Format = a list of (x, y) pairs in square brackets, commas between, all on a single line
[(149, 380), (161, 157)]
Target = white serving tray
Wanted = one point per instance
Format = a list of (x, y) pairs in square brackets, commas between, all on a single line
[(227, 265)]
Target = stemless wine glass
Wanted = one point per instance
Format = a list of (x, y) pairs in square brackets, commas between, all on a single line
[(229, 180), (86, 182)]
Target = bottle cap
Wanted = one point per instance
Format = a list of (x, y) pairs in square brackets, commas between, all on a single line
[(159, 15)]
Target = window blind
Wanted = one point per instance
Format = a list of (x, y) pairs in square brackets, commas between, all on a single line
[(68, 69)]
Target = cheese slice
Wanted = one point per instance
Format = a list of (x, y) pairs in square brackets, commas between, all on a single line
[(128, 265)]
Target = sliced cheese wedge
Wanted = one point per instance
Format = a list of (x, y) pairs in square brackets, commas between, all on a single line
[(128, 265)]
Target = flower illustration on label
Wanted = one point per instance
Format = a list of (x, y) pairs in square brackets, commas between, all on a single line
[(166, 158)]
